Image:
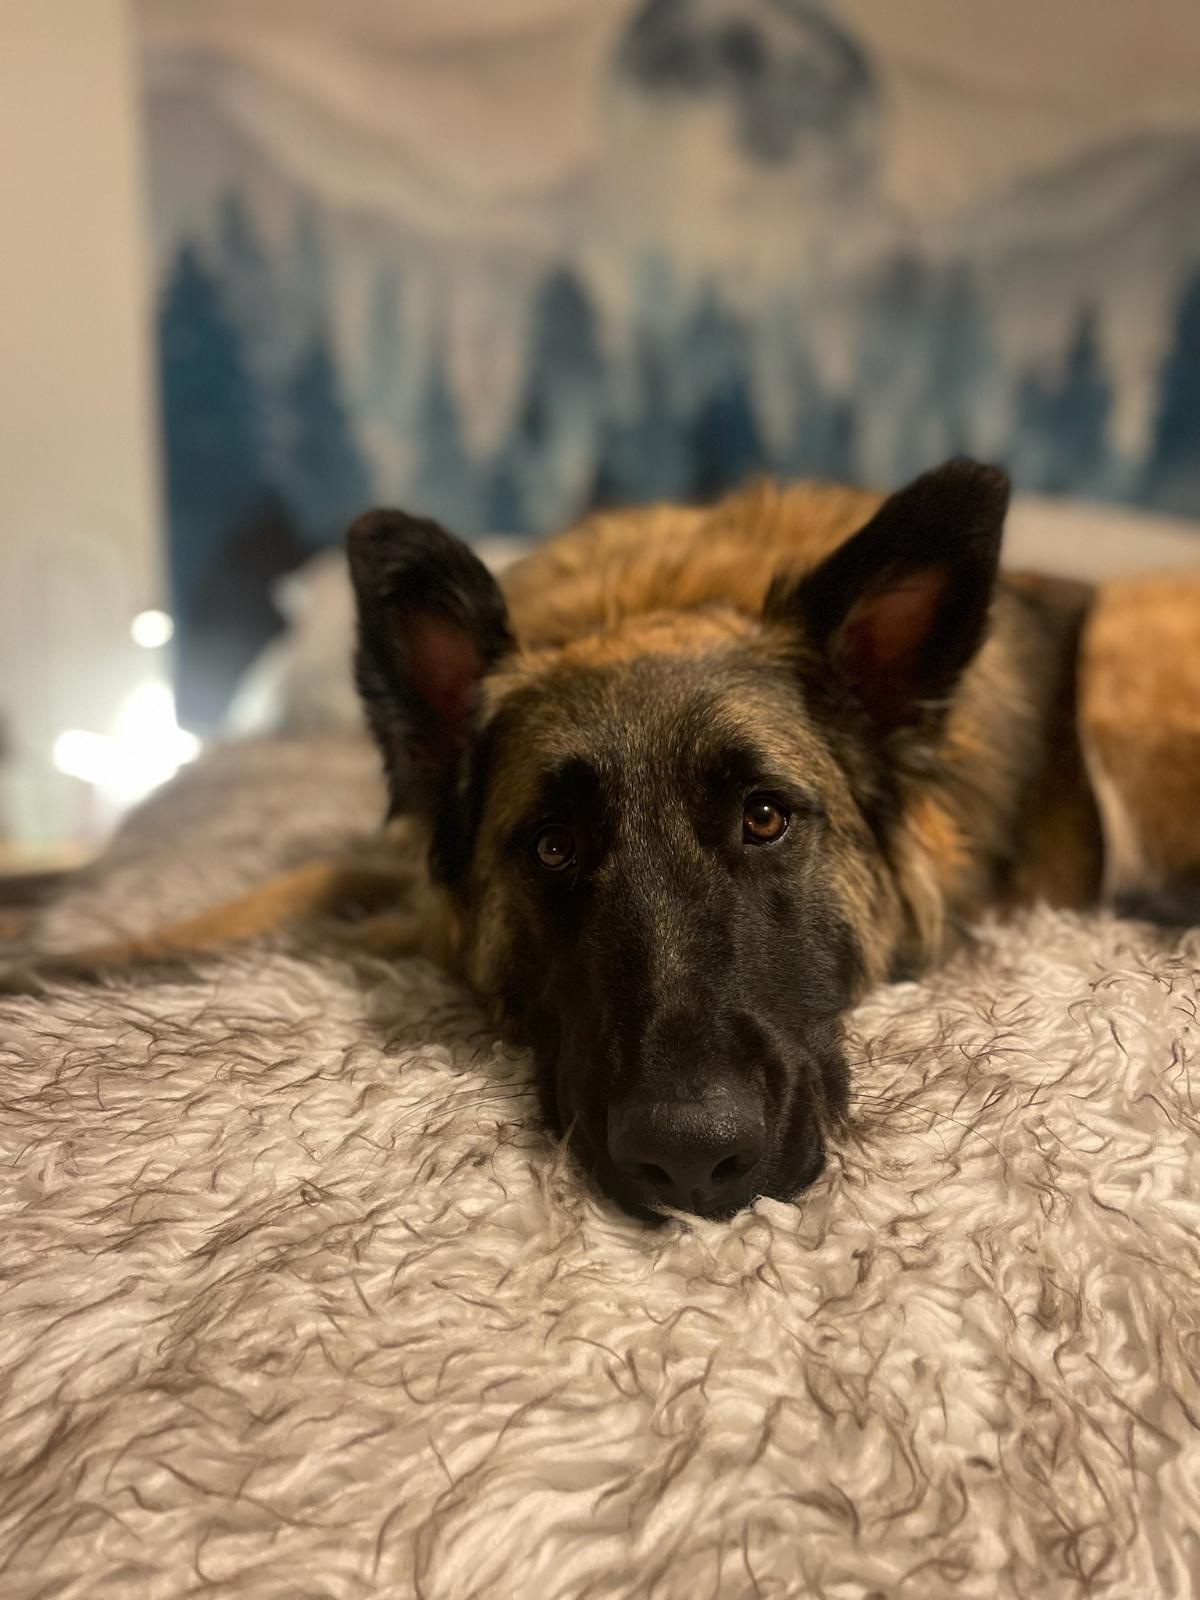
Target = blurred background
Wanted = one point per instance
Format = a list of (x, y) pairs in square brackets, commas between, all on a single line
[(268, 261)]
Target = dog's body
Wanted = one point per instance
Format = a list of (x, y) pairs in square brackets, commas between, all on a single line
[(695, 779)]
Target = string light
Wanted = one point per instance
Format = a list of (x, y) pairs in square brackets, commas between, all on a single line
[(152, 629), (146, 747)]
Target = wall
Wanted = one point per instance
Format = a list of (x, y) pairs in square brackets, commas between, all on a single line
[(80, 547)]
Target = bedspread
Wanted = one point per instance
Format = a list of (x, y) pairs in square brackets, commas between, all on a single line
[(298, 1299)]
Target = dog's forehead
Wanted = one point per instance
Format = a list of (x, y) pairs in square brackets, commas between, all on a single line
[(667, 655), (654, 717)]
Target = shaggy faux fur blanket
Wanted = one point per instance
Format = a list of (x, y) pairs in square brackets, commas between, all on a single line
[(297, 1299)]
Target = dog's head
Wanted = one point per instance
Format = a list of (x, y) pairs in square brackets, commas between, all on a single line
[(671, 846)]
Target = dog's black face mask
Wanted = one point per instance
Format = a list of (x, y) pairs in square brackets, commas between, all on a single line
[(667, 846), (675, 946)]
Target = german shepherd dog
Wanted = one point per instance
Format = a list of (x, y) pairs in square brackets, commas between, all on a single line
[(691, 780)]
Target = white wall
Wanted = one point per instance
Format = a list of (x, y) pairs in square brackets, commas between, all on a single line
[(80, 549)]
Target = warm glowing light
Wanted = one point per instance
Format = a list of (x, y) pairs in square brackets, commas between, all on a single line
[(90, 756), (147, 747), (152, 629)]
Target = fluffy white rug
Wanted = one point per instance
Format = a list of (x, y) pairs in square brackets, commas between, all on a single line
[(297, 1300)]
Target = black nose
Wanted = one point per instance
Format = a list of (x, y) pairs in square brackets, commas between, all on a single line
[(698, 1155)]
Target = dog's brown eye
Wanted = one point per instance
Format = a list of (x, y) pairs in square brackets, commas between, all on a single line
[(763, 820), (554, 848)]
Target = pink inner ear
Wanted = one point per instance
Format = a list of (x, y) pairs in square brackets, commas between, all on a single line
[(883, 635), (444, 668)]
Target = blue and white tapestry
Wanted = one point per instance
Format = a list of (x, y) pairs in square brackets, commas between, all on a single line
[(502, 260)]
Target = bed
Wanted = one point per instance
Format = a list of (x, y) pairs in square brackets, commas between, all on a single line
[(298, 1299)]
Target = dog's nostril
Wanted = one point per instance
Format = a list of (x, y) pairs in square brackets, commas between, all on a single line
[(647, 1172), (731, 1167)]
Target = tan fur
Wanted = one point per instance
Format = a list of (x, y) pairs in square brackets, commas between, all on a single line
[(1140, 721), (622, 564), (1061, 858)]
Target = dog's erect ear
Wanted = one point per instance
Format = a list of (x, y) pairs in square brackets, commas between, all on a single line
[(901, 608), (431, 622)]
